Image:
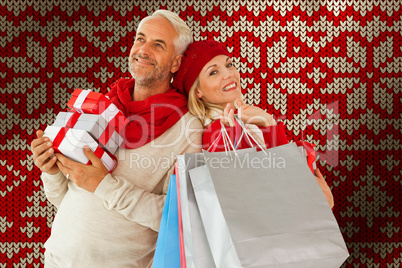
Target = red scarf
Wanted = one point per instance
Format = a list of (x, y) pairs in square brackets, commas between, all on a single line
[(150, 118)]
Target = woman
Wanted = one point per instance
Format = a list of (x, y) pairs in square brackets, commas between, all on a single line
[(212, 84)]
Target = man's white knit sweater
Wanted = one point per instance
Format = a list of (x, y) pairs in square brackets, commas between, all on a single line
[(117, 226)]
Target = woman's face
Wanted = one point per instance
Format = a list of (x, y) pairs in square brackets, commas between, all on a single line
[(219, 82)]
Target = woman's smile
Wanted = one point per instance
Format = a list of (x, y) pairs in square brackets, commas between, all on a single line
[(230, 86)]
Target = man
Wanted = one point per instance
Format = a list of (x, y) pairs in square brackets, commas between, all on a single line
[(112, 220)]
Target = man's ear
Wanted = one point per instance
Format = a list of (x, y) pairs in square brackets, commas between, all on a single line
[(176, 64)]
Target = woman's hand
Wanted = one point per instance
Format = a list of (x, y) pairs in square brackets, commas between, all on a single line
[(324, 187), (227, 118), (254, 115)]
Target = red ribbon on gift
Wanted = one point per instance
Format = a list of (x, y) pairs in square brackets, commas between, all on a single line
[(73, 120), (87, 101), (107, 132), (106, 135), (97, 103), (93, 103), (117, 124), (99, 152), (58, 139)]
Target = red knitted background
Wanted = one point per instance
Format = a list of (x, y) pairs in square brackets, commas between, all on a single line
[(331, 70)]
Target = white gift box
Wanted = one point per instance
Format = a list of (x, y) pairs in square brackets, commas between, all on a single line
[(274, 213), (96, 125), (88, 101), (70, 142)]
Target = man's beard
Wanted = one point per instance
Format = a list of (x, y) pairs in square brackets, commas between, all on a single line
[(150, 78)]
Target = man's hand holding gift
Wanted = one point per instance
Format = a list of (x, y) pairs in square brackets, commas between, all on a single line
[(43, 154), (81, 143), (87, 177)]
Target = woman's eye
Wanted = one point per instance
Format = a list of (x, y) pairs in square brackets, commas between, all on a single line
[(229, 65), (212, 73)]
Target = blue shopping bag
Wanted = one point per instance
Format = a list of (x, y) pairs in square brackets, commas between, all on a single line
[(167, 251)]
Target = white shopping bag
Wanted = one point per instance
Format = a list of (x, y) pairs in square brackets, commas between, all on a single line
[(196, 247), (275, 212), (197, 250)]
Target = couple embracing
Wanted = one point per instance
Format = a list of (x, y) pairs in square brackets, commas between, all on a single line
[(112, 219)]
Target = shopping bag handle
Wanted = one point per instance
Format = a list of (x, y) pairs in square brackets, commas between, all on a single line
[(227, 143), (247, 134)]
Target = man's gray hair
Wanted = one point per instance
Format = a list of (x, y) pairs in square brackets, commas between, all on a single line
[(185, 36)]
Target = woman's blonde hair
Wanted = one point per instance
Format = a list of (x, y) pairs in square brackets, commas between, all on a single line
[(205, 111)]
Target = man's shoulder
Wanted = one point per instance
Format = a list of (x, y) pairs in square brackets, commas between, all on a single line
[(191, 119), (188, 125), (185, 133)]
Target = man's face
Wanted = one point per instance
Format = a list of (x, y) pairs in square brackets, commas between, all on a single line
[(152, 57)]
